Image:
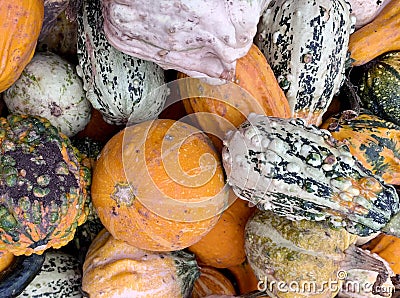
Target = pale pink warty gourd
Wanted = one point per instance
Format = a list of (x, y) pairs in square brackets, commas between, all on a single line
[(201, 38)]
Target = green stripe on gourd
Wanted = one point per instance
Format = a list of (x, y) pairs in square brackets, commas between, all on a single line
[(302, 172)]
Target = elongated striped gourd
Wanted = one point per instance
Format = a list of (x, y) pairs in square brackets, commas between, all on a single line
[(302, 172), (305, 43)]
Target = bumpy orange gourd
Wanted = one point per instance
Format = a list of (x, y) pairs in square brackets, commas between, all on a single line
[(212, 281), (148, 180), (388, 248), (255, 89), (223, 246), (113, 268), (20, 24), (380, 36)]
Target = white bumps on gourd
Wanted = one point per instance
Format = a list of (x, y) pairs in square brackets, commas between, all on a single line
[(50, 87)]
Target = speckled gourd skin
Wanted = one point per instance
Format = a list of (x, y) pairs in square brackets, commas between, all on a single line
[(378, 85), (43, 186), (305, 43), (49, 87), (116, 84), (199, 38), (302, 172), (299, 252)]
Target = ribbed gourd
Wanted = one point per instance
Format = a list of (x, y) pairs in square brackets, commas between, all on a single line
[(305, 43), (120, 86), (302, 172), (378, 86), (43, 186)]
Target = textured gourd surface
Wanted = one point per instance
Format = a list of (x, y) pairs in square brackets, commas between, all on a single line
[(113, 268), (49, 87), (159, 185), (374, 141), (302, 251), (120, 86), (305, 42), (44, 186), (302, 172)]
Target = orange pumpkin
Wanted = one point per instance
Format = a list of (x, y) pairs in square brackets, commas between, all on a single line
[(380, 36), (159, 185), (245, 277), (21, 21), (220, 108), (388, 248), (113, 268), (212, 281), (223, 245)]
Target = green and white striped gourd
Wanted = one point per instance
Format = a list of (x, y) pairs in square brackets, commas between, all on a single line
[(302, 172), (121, 87), (305, 43)]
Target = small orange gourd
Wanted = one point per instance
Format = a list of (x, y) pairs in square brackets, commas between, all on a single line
[(388, 248), (159, 185), (212, 281), (223, 245), (113, 268), (380, 36), (220, 108), (20, 24)]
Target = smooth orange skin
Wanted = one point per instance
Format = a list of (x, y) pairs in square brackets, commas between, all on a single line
[(223, 245), (255, 89), (212, 281), (20, 25), (6, 259), (388, 248), (139, 223), (245, 277), (380, 36), (112, 268)]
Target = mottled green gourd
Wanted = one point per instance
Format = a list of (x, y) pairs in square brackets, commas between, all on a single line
[(43, 186), (378, 86), (302, 172), (299, 256)]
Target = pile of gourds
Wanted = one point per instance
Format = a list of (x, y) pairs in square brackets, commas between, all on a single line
[(199, 148)]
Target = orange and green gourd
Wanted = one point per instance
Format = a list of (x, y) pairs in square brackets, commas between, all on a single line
[(43, 186)]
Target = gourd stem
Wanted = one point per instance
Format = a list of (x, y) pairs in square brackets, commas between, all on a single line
[(357, 258), (255, 294)]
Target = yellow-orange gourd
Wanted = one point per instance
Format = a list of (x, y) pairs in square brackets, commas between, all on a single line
[(20, 24), (113, 268), (380, 36), (255, 89), (148, 180), (223, 245)]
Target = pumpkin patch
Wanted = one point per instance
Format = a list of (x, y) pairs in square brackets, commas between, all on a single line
[(199, 148)]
